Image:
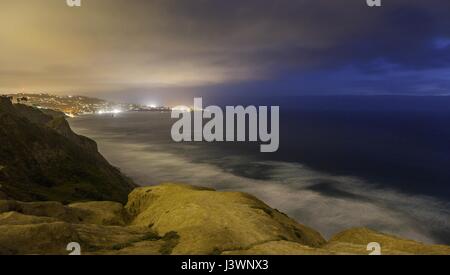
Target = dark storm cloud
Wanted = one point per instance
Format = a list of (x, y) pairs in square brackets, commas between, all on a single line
[(322, 33), (119, 45)]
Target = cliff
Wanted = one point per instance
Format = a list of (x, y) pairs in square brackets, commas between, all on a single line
[(42, 159), (55, 188), (179, 219)]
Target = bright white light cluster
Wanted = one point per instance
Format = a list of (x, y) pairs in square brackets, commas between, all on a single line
[(182, 109), (114, 111)]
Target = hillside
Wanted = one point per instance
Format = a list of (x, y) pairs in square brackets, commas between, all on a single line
[(179, 219), (41, 159)]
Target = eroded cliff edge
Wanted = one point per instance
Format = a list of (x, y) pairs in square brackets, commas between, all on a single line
[(41, 159)]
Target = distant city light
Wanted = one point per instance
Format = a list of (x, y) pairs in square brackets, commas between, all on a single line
[(73, 105), (114, 111), (181, 108), (69, 115)]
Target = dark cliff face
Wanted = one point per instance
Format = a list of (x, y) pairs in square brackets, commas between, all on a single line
[(42, 159)]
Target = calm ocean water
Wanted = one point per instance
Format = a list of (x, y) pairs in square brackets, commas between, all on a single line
[(337, 168)]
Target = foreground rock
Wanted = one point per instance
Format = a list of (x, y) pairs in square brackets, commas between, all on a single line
[(178, 219)]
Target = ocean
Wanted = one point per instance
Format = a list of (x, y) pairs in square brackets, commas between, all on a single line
[(341, 164)]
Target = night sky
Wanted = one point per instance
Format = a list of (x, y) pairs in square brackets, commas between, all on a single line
[(166, 51)]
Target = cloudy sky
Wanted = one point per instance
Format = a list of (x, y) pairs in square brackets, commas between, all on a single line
[(139, 49)]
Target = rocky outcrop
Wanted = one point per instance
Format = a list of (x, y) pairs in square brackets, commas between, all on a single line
[(234, 220), (355, 240), (179, 219), (41, 159)]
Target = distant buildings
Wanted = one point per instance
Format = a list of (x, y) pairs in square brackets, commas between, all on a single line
[(78, 105), (22, 99), (7, 96)]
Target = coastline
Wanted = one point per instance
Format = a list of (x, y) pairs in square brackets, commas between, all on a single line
[(288, 188)]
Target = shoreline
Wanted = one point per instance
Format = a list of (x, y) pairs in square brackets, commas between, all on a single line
[(395, 213)]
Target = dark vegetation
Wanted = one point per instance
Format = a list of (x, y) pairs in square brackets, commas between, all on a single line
[(42, 159)]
